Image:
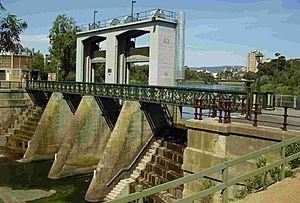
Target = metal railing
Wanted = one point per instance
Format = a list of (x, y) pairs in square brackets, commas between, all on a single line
[(291, 101), (144, 15), (223, 168), (178, 96), (11, 85)]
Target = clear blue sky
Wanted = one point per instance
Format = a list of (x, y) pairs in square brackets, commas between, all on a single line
[(218, 32)]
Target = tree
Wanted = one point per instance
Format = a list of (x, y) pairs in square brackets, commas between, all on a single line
[(1, 7), (63, 44), (10, 30)]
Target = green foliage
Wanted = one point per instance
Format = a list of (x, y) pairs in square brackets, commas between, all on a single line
[(206, 184), (250, 76), (10, 30), (259, 182), (100, 73), (200, 76), (227, 74), (282, 75), (290, 150), (267, 88), (139, 74), (63, 44)]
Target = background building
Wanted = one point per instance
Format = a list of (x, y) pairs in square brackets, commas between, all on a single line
[(254, 58), (14, 67)]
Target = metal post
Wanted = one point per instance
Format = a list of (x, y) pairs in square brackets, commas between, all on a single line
[(225, 110), (229, 109), (200, 108), (249, 100), (282, 167), (214, 110), (285, 115), (255, 115), (94, 18), (132, 2), (139, 188), (196, 108), (243, 105), (224, 180), (220, 109)]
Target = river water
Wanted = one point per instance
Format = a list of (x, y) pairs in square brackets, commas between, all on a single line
[(72, 189), (34, 176)]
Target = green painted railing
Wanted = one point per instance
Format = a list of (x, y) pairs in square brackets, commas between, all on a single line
[(179, 96), (223, 168)]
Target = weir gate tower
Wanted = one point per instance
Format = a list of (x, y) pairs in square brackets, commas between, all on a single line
[(165, 52)]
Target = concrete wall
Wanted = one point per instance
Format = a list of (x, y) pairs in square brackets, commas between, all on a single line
[(9, 102), (51, 130), (82, 148), (210, 143), (161, 56), (130, 134)]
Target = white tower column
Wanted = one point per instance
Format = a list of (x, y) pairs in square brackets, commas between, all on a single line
[(111, 70), (162, 52)]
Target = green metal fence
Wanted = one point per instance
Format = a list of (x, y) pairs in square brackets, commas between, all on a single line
[(223, 168)]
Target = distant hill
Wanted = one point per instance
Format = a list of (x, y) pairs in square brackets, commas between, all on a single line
[(216, 69)]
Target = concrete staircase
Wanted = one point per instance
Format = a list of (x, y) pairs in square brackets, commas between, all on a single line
[(165, 165), (22, 130), (123, 187)]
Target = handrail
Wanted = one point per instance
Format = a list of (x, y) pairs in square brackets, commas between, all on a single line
[(30, 84), (4, 84), (181, 96), (128, 168), (220, 167)]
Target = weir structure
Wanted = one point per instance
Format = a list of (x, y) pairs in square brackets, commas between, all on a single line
[(127, 135), (165, 52)]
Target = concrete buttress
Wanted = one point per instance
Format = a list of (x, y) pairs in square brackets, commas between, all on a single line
[(50, 131), (130, 134), (83, 146)]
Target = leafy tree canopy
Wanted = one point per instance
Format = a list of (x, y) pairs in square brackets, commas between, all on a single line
[(63, 44), (282, 75), (10, 29)]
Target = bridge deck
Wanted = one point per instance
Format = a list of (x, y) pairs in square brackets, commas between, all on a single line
[(179, 96)]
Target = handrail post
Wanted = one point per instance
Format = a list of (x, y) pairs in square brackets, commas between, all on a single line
[(243, 105), (139, 188), (255, 115), (282, 167), (196, 109), (285, 115), (200, 109), (225, 180), (229, 110), (214, 108), (220, 109)]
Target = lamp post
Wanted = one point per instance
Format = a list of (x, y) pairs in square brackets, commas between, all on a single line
[(94, 17), (132, 2)]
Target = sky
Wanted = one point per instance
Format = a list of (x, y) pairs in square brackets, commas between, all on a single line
[(218, 32)]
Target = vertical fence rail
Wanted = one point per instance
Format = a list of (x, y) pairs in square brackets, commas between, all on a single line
[(225, 180)]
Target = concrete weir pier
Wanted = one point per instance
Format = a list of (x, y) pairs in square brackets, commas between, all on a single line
[(84, 143), (50, 131), (130, 134)]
